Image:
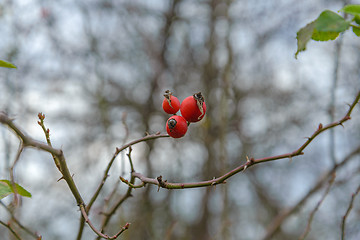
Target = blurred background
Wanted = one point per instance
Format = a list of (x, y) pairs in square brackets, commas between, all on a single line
[(98, 69)]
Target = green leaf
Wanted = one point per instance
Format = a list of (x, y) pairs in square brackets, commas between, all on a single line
[(6, 191), (356, 30), (303, 36), (357, 19), (324, 36), (351, 9), (326, 27), (331, 22), (6, 64)]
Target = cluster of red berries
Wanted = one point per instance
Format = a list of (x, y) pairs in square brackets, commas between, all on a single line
[(192, 109)]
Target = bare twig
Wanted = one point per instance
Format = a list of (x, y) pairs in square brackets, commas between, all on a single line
[(106, 172), (68, 178), (118, 150), (142, 184), (12, 175), (59, 159), (343, 223), (47, 136), (10, 229), (110, 213), (27, 141), (100, 234), (17, 222), (280, 218), (312, 214), (60, 163)]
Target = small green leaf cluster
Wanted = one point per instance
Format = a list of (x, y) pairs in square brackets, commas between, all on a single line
[(328, 26), (6, 188)]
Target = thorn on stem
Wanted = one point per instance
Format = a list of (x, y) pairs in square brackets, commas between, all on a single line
[(213, 183), (249, 161), (161, 182), (60, 179)]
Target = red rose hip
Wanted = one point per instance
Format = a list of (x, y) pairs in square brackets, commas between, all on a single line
[(176, 126), (193, 108), (170, 104)]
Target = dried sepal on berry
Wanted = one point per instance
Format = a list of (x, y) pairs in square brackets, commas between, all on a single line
[(193, 108), (171, 104), (167, 96), (200, 103)]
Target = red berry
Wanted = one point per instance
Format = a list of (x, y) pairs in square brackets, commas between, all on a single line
[(176, 126), (170, 104), (193, 108)]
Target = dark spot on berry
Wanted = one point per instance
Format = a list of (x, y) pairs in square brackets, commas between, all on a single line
[(172, 123)]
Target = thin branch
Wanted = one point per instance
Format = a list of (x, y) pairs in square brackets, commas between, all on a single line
[(108, 198), (142, 184), (47, 136), (106, 172), (119, 150), (10, 229), (343, 223), (284, 214), (12, 173), (17, 222), (58, 157), (312, 214), (128, 194), (27, 141), (60, 163), (68, 178), (100, 234)]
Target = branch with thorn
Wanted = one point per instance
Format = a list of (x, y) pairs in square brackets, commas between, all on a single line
[(249, 161), (60, 163), (343, 223)]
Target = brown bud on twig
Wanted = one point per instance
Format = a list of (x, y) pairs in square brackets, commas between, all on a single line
[(41, 116)]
